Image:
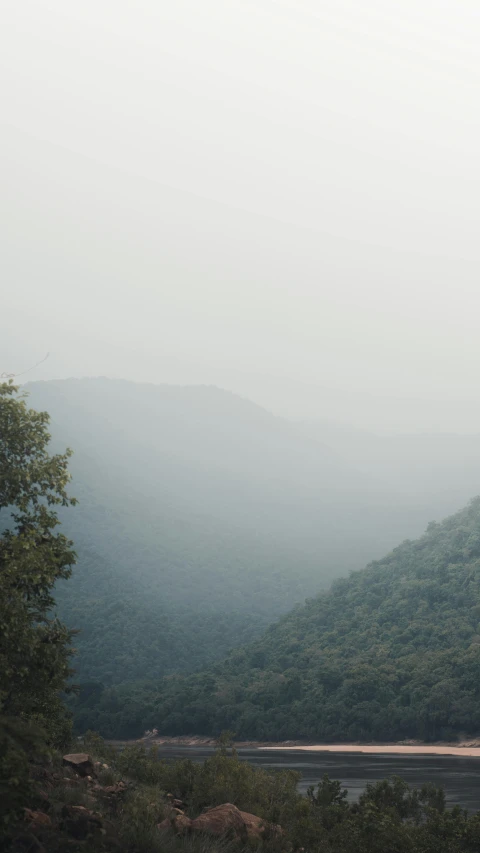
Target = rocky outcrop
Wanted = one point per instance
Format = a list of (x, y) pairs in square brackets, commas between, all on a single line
[(222, 821), (225, 820), (255, 826), (179, 823), (80, 762)]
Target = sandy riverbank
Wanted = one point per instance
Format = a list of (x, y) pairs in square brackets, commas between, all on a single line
[(390, 749), (200, 742), (463, 748)]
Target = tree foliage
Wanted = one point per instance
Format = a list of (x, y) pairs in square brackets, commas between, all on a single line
[(34, 645), (389, 815), (391, 652)]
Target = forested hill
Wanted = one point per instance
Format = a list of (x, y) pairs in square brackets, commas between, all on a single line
[(201, 518), (391, 652)]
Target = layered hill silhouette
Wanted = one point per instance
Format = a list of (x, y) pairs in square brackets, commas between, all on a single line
[(175, 565), (391, 652), (202, 518)]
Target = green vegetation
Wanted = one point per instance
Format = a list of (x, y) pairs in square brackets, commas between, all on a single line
[(202, 518), (389, 816), (422, 598), (34, 647), (171, 572), (389, 653), (193, 531)]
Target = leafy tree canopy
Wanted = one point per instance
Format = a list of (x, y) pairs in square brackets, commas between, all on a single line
[(34, 645)]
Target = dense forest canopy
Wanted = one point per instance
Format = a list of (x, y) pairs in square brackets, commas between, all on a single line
[(202, 518), (389, 653)]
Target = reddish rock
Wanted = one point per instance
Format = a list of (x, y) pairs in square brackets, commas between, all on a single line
[(255, 826), (37, 820), (181, 824), (259, 828), (221, 821), (80, 762)]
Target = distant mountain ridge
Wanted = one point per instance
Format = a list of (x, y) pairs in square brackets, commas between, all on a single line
[(174, 527), (205, 513), (391, 652)]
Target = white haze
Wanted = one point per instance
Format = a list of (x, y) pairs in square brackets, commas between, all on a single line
[(281, 198)]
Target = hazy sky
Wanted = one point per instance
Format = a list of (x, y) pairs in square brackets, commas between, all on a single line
[(278, 197)]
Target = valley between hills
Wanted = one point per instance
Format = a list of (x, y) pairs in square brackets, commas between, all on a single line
[(240, 587)]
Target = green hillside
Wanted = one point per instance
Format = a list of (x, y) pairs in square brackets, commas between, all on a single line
[(169, 575), (391, 652), (201, 519)]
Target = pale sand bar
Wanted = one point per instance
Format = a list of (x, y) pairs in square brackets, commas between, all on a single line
[(392, 749)]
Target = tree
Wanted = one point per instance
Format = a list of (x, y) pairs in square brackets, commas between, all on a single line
[(34, 646)]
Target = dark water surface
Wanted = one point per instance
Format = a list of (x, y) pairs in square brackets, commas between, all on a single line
[(460, 777)]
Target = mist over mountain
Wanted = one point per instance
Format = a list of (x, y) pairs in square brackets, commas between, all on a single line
[(442, 468), (110, 293), (239, 276), (202, 517), (391, 652)]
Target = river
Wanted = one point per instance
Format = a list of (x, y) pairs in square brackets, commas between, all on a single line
[(459, 776)]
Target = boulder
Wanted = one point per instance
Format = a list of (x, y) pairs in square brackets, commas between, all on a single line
[(221, 821), (179, 823), (254, 825), (225, 820), (80, 762), (37, 820), (258, 828)]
